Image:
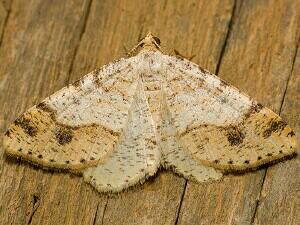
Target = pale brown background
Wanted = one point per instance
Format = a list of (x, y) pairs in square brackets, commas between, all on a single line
[(253, 44)]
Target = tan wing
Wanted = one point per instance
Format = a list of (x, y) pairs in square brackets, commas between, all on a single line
[(220, 126), (176, 158), (136, 156), (79, 125)]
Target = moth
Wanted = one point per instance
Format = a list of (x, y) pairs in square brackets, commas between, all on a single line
[(119, 124)]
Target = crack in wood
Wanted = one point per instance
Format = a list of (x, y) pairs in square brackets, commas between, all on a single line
[(289, 77), (35, 206), (85, 19), (96, 213), (230, 25), (104, 210), (257, 203), (180, 203), (280, 110), (231, 21), (8, 13)]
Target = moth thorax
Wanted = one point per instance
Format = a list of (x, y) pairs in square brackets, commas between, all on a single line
[(152, 85)]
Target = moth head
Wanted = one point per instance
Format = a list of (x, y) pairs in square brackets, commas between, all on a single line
[(149, 42)]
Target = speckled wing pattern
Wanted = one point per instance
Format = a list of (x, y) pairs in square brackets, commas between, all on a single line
[(79, 125), (136, 155), (220, 126), (117, 125)]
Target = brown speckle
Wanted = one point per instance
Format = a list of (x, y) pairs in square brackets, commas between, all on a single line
[(291, 133), (274, 126), (219, 89), (258, 107), (97, 81), (259, 158), (77, 83), (63, 135), (26, 125), (43, 106), (223, 83), (255, 108), (247, 161), (201, 69), (7, 133), (234, 135), (40, 156), (82, 160)]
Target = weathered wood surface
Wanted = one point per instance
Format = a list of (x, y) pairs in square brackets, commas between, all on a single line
[(252, 44)]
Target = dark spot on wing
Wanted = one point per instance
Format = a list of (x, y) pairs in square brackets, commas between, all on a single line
[(274, 126), (258, 107), (234, 135), (27, 125), (63, 135), (97, 80), (255, 108), (291, 133), (43, 106), (201, 69), (77, 83)]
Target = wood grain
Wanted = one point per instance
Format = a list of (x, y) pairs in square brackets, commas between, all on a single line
[(160, 203), (47, 44), (4, 8), (280, 198), (38, 48), (262, 35)]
